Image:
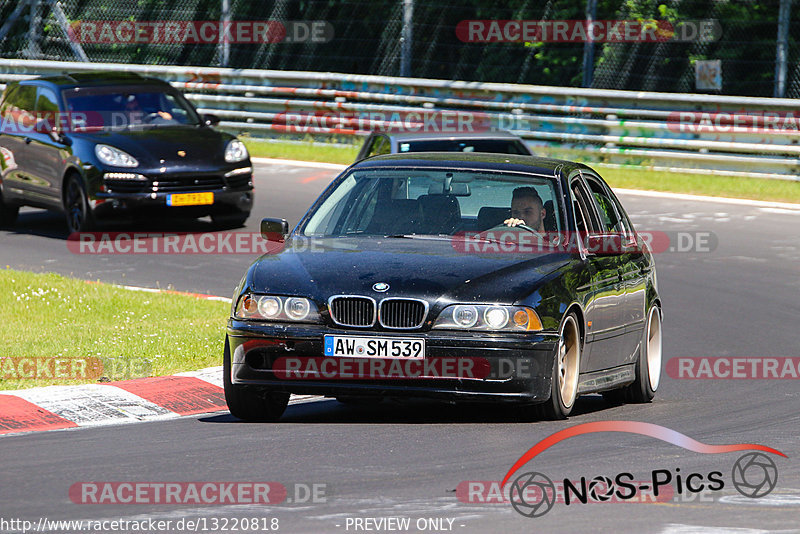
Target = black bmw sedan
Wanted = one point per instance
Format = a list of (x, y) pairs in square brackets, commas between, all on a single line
[(465, 277), (102, 145)]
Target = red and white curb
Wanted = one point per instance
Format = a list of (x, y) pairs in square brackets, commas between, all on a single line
[(129, 401)]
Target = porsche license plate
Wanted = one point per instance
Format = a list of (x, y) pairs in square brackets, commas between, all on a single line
[(375, 347), (190, 199)]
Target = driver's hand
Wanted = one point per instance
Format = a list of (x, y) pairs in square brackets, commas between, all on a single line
[(164, 115), (513, 222)]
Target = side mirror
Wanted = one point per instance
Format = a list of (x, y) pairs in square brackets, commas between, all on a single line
[(209, 119), (44, 127), (274, 229), (604, 244)]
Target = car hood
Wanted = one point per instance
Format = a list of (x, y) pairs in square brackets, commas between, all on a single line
[(431, 269), (152, 145)]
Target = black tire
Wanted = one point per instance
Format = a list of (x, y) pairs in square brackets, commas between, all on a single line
[(566, 372), (8, 214), (251, 403), (76, 206), (230, 220), (645, 384)]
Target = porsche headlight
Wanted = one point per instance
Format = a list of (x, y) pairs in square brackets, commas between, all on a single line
[(489, 317), (235, 151), (114, 156), (275, 308)]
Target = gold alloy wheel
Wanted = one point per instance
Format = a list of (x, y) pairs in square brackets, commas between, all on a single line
[(654, 347), (569, 353)]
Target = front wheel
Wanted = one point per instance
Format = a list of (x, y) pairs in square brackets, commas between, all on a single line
[(76, 206), (8, 214), (251, 403), (566, 369)]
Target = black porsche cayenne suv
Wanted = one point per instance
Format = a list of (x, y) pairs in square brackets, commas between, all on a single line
[(103, 145)]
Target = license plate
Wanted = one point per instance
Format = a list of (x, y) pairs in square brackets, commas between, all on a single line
[(190, 199), (375, 347)]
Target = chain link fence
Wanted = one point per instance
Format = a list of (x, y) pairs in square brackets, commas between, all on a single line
[(366, 37)]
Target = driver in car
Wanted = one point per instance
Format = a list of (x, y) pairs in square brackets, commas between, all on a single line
[(527, 209), (134, 110)]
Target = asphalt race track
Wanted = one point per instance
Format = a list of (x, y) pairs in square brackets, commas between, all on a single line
[(407, 460)]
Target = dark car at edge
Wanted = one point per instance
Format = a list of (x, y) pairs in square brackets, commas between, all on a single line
[(378, 269), (107, 145)]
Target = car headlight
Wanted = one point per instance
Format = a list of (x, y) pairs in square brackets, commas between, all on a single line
[(235, 151), (489, 317), (275, 308), (114, 156)]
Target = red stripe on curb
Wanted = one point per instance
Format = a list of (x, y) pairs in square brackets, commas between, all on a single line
[(19, 415), (204, 296), (181, 394)]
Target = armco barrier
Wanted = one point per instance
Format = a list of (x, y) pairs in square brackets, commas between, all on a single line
[(617, 128)]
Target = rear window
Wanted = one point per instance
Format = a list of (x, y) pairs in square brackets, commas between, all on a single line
[(499, 146)]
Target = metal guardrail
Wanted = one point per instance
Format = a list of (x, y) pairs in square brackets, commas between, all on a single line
[(618, 128)]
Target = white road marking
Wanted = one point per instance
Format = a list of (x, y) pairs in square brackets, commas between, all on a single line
[(296, 163), (95, 404), (701, 529), (786, 206), (773, 500), (212, 375)]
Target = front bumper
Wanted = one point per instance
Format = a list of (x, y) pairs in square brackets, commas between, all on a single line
[(109, 205), (520, 365)]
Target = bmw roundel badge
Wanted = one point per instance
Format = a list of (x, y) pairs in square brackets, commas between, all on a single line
[(380, 287)]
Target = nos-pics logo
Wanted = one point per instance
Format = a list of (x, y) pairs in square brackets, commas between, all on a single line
[(533, 494)]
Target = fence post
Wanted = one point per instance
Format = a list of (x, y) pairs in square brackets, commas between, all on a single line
[(588, 46), (780, 52), (225, 55), (406, 37)]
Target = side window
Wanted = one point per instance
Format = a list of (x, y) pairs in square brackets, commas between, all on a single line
[(46, 101), (18, 109), (380, 145), (582, 205), (8, 99), (609, 218), (47, 107), (611, 212)]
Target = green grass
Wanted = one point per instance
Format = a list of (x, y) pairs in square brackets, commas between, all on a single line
[(700, 184), (632, 178), (44, 317), (322, 152)]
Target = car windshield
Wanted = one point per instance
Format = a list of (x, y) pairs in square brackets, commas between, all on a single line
[(500, 146), (115, 108), (425, 201)]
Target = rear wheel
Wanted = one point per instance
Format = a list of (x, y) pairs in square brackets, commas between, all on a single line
[(251, 403), (76, 206), (566, 369), (230, 220), (648, 365)]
